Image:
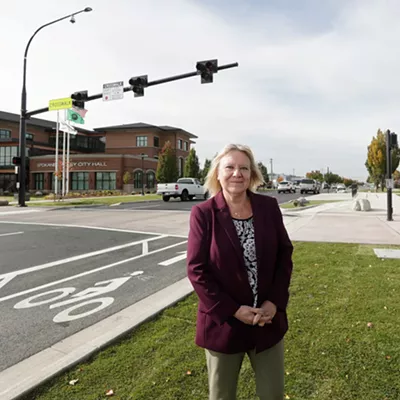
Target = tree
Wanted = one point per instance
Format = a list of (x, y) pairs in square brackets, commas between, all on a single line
[(264, 171), (331, 178), (167, 169), (376, 159), (204, 171), (192, 166), (315, 175), (348, 182)]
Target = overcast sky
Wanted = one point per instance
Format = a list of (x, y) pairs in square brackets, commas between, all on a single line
[(315, 81)]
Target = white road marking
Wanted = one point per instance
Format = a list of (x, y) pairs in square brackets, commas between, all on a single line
[(145, 247), (174, 260), (12, 296), (11, 233), (101, 228), (19, 212), (75, 258)]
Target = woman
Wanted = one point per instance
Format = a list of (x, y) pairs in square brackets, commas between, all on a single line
[(239, 261)]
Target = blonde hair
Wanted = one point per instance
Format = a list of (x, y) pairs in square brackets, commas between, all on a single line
[(212, 184)]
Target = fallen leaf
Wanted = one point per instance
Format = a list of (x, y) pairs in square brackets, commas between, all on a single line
[(348, 340), (110, 393), (385, 308), (73, 382), (287, 396), (370, 324), (388, 357), (188, 373)]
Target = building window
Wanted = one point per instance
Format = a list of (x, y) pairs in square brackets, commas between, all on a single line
[(137, 179), (156, 141), (181, 166), (5, 134), (79, 180), (150, 180), (141, 141), (186, 146), (29, 136), (7, 182), (179, 143), (39, 181), (106, 180), (6, 155)]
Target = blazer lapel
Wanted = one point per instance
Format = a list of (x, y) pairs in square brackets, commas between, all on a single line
[(225, 220), (259, 226)]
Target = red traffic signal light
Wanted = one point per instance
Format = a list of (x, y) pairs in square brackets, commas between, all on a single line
[(16, 160)]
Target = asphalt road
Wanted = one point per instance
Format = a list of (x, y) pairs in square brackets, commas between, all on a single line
[(57, 280), (178, 205)]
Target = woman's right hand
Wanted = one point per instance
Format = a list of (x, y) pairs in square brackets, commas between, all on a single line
[(247, 314)]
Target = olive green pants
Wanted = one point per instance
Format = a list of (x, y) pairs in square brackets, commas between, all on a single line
[(268, 366)]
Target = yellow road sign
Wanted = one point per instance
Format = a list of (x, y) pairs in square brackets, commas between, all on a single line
[(60, 104)]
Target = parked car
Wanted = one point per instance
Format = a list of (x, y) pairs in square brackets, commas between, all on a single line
[(341, 189), (286, 187), (309, 186), (184, 188)]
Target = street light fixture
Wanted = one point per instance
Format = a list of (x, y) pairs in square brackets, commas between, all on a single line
[(23, 116)]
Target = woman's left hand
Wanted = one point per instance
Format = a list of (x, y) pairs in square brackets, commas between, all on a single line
[(269, 311)]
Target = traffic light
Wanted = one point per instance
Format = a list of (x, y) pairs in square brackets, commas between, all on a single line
[(393, 140), (206, 69), (79, 98), (16, 160), (138, 84)]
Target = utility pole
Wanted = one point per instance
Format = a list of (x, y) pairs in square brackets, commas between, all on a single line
[(272, 171), (391, 142)]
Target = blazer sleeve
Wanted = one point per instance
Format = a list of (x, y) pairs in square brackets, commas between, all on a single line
[(284, 264), (219, 305)]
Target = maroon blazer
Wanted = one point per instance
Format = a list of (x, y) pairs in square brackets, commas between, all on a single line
[(216, 269)]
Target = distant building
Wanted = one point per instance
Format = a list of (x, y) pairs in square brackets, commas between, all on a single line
[(98, 158)]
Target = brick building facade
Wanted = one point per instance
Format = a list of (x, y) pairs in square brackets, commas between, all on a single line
[(99, 158)]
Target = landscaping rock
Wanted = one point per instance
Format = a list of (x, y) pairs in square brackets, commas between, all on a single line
[(356, 206), (302, 201), (365, 205), (3, 203)]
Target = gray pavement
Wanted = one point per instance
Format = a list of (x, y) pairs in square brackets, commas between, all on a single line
[(333, 222)]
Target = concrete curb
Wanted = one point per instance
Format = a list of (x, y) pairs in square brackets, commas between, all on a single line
[(22, 378)]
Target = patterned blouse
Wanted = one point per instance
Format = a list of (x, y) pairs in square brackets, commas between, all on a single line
[(245, 231)]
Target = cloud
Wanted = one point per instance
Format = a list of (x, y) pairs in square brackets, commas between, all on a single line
[(310, 92)]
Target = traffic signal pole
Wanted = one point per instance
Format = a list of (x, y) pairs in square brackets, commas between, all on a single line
[(389, 176), (205, 69), (130, 88)]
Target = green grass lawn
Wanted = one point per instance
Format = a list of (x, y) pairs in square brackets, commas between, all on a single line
[(331, 352), (311, 203), (101, 200)]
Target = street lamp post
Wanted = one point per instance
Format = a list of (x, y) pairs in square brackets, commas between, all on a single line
[(23, 116), (143, 157)]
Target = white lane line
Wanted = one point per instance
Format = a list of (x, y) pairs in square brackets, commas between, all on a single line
[(79, 257), (12, 296), (11, 233), (101, 228)]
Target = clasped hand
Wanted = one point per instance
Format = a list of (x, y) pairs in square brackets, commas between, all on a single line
[(253, 316)]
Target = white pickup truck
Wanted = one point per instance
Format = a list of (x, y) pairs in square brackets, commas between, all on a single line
[(185, 188)]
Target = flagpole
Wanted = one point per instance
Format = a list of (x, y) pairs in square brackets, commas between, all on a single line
[(67, 166), (56, 158), (63, 156)]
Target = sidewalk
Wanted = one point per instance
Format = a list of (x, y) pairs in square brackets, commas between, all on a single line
[(331, 222), (337, 222)]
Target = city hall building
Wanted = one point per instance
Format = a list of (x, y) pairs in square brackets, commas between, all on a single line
[(99, 158)]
